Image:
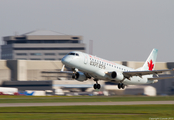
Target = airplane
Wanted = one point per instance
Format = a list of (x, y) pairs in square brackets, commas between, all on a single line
[(85, 66)]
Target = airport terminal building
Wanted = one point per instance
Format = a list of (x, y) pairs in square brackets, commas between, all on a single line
[(40, 45)]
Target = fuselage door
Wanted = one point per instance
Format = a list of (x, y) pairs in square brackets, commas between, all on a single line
[(86, 59)]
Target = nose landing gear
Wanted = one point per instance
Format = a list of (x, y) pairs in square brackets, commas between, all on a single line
[(121, 85)]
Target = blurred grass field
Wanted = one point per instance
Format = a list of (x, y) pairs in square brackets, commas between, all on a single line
[(46, 99), (121, 112)]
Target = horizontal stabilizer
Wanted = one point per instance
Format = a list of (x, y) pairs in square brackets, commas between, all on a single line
[(160, 78)]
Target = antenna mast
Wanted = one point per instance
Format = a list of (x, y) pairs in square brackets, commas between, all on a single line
[(91, 47)]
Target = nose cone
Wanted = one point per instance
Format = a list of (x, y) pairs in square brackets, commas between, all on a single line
[(65, 60)]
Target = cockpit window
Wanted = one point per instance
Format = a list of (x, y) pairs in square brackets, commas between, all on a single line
[(75, 54), (71, 54)]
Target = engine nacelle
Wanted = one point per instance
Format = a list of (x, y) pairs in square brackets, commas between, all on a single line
[(80, 76), (116, 75)]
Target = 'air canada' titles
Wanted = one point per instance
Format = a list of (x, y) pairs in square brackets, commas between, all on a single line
[(98, 62)]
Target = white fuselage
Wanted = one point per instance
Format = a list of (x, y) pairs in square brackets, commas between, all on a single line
[(97, 68)]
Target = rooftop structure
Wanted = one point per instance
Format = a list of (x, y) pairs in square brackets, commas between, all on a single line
[(40, 45)]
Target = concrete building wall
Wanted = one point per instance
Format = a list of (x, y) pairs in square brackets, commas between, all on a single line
[(135, 65), (29, 70), (4, 72), (22, 70), (36, 68), (12, 65), (164, 87)]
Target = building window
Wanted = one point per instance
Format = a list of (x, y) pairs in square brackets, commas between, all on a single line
[(24, 41), (50, 41), (36, 54), (21, 59), (63, 53), (49, 59), (35, 59), (21, 53), (75, 37), (49, 53), (68, 48), (6, 55)]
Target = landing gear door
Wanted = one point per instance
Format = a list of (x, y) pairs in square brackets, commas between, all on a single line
[(85, 59)]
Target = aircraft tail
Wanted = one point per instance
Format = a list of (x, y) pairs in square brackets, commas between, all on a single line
[(151, 60)]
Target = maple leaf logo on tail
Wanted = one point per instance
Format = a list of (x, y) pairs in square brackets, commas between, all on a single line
[(150, 65)]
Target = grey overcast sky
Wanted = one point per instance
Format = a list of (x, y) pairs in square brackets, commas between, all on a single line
[(121, 30)]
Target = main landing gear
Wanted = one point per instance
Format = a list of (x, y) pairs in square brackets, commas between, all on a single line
[(121, 85), (96, 86)]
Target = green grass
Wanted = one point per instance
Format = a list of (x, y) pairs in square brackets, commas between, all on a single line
[(34, 99), (121, 112)]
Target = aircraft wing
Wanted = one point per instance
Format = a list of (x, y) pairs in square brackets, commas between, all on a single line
[(129, 74), (160, 78), (68, 72)]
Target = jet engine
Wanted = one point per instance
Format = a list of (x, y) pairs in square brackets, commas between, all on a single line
[(80, 76), (116, 75)]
